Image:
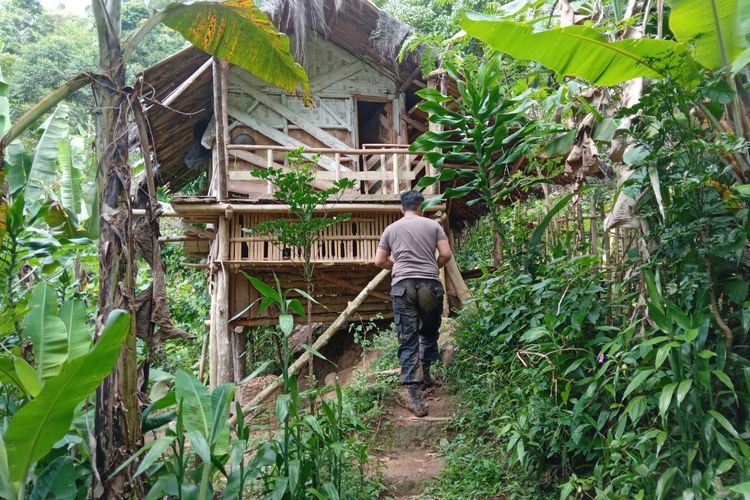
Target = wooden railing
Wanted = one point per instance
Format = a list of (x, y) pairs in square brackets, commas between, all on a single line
[(379, 169)]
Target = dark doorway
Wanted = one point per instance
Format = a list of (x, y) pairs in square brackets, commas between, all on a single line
[(372, 122)]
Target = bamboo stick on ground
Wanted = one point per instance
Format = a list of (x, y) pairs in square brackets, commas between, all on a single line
[(319, 343)]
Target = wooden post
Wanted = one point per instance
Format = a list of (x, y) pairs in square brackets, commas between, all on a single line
[(269, 165), (337, 161), (220, 71), (220, 358), (319, 343), (396, 180), (383, 171)]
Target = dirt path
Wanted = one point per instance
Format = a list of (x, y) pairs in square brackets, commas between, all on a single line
[(409, 445)]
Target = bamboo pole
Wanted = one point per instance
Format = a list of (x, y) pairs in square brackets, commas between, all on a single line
[(453, 274), (223, 370), (319, 343), (184, 85), (220, 70)]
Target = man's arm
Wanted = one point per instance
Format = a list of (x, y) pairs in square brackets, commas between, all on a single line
[(445, 254), (383, 259)]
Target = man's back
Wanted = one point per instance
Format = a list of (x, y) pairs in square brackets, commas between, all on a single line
[(412, 241)]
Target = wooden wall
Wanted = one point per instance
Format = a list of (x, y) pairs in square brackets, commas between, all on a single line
[(264, 114)]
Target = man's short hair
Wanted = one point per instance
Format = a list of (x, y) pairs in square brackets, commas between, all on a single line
[(411, 200)]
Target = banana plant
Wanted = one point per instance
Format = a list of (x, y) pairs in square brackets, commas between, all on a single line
[(44, 420), (709, 33)]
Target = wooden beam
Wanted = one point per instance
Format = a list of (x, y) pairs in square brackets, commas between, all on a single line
[(288, 143), (184, 85), (327, 79), (344, 151), (220, 70), (259, 161), (309, 127), (350, 286), (299, 320), (372, 175), (414, 123), (219, 208)]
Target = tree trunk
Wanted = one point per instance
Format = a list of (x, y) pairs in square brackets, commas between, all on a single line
[(116, 426)]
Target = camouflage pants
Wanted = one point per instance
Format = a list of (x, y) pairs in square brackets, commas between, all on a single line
[(417, 313)]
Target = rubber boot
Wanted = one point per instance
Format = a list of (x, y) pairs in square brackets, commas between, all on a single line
[(427, 381), (410, 398)]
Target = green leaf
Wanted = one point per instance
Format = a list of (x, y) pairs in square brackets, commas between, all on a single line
[(683, 389), (8, 373), (580, 51), (57, 480), (200, 446), (265, 290), (43, 173), (725, 466), (709, 26), (195, 401), (73, 314), (70, 180), (315, 353), (743, 488), (724, 378), (286, 323), (534, 334), (653, 289), (239, 32), (736, 290), (45, 420), (724, 423), (666, 397), (156, 449), (637, 381), (662, 353), (46, 331), (221, 399), (542, 227), (664, 482), (29, 379)]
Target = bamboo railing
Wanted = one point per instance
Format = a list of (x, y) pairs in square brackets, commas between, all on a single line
[(379, 169)]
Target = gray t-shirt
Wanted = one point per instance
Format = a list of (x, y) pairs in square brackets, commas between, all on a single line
[(412, 242)]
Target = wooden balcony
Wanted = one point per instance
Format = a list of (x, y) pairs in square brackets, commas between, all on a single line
[(380, 170)]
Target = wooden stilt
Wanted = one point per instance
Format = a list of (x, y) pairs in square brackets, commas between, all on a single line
[(224, 371)]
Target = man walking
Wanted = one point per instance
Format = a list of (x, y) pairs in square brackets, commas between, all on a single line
[(407, 247)]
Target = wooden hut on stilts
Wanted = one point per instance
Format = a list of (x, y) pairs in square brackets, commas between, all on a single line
[(215, 121)]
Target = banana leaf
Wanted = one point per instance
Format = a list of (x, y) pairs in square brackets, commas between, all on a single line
[(46, 331), (714, 28), (582, 51), (239, 32), (43, 173), (36, 427)]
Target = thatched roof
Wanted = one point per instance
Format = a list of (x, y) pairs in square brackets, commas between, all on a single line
[(357, 26)]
